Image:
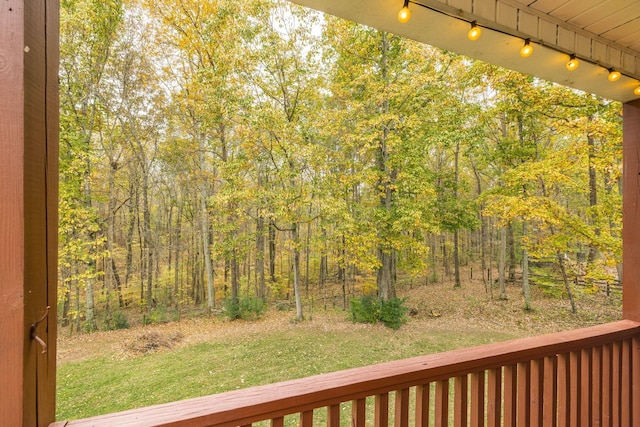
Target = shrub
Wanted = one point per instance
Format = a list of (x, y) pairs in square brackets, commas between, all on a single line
[(117, 321), (393, 312), (156, 315), (371, 309), (249, 308), (365, 309)]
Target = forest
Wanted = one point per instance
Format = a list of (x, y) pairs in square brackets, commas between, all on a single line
[(216, 151)]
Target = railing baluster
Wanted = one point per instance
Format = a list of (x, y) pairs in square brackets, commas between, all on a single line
[(382, 410), (333, 416), (584, 380), (402, 408), (596, 387), (460, 401), (524, 394), (358, 413), (477, 399), (442, 404), (607, 384), (422, 405), (510, 394), (306, 419), (635, 379), (563, 390), (626, 402), (616, 373), (574, 389), (494, 398), (536, 375), (277, 422), (550, 392)]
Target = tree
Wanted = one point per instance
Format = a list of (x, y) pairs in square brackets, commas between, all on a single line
[(88, 32)]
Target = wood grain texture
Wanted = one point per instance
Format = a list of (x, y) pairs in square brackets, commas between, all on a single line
[(422, 405), (441, 410), (524, 394), (460, 401), (631, 211), (382, 410), (596, 386), (477, 399), (494, 398), (635, 378), (28, 207), (12, 335), (510, 394), (358, 413), (550, 393), (402, 408)]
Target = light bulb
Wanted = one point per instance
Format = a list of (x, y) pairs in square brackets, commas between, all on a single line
[(573, 63), (613, 75), (474, 32), (637, 91), (526, 50), (405, 14)]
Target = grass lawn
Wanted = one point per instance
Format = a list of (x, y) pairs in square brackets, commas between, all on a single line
[(107, 384), (112, 371)]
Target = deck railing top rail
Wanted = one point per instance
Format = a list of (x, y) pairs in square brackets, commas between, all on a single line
[(245, 406)]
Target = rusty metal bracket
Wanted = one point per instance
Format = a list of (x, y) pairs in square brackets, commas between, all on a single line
[(34, 330)]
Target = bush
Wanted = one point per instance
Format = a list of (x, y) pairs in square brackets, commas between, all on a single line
[(117, 321), (365, 309), (249, 308), (156, 315), (393, 312), (371, 309)]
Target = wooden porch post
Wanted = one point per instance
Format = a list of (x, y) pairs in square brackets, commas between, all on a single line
[(28, 209), (631, 211)]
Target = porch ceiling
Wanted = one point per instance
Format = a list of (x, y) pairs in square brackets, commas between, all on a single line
[(603, 34)]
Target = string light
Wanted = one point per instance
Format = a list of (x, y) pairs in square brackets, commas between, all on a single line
[(474, 32), (573, 63), (527, 49), (613, 75), (405, 14)]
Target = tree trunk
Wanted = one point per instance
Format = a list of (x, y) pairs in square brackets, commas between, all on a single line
[(307, 255), (111, 219), (296, 271), (260, 278), (512, 253), (386, 182), (456, 234), (235, 273), (593, 195), (148, 243), (91, 263), (567, 285), (526, 289), (176, 257), (502, 262), (456, 259), (272, 251), (131, 228), (208, 265)]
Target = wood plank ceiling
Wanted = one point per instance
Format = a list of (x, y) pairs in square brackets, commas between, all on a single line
[(602, 34)]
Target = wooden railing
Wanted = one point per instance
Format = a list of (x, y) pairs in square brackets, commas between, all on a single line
[(587, 377)]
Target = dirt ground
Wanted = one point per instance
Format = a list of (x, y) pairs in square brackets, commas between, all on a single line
[(436, 305)]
